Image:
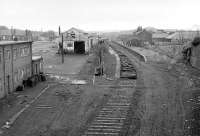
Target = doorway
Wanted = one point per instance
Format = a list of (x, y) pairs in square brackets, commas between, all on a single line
[(79, 47)]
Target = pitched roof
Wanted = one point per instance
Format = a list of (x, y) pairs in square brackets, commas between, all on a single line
[(183, 34), (160, 35), (75, 29)]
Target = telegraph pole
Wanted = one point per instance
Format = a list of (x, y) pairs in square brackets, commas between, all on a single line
[(62, 50), (61, 44)]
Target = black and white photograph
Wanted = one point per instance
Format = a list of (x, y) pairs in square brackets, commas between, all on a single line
[(99, 68)]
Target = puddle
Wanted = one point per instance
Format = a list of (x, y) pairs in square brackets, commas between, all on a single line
[(65, 79), (78, 82), (111, 51), (50, 66)]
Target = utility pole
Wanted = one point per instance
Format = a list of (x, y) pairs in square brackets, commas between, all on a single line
[(62, 50), (61, 45), (11, 30)]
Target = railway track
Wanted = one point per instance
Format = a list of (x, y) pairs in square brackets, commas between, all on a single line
[(127, 69), (114, 117)]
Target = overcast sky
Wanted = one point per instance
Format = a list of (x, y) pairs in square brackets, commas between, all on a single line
[(99, 14)]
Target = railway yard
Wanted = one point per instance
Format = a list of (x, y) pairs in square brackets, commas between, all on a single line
[(150, 98)]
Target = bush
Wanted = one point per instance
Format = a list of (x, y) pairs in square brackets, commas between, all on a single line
[(196, 41), (20, 88)]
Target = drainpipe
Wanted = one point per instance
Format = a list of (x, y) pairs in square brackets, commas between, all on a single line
[(30, 50), (12, 67), (4, 75)]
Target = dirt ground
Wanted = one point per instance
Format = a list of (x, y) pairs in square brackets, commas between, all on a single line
[(52, 61), (169, 104), (165, 101), (63, 108)]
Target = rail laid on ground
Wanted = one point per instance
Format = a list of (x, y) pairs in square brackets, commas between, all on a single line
[(114, 117), (136, 54)]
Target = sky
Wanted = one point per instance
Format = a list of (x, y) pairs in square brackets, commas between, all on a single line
[(100, 15)]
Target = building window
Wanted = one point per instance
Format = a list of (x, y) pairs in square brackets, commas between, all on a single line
[(28, 70), (26, 51), (15, 54), (21, 52), (69, 45), (8, 54)]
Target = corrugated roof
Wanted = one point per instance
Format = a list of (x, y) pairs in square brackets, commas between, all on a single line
[(183, 34)]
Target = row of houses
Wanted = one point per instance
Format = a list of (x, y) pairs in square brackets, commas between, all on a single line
[(179, 37), (162, 37), (16, 65)]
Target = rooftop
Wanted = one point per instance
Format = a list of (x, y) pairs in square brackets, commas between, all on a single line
[(160, 35), (13, 42), (184, 34)]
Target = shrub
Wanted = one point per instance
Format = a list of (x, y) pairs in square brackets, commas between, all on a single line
[(196, 41)]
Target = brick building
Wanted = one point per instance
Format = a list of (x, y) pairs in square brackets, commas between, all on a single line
[(15, 65), (160, 38), (144, 35)]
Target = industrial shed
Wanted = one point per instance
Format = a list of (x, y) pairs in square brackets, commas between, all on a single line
[(77, 41)]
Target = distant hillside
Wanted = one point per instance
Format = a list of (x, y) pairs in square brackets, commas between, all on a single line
[(37, 35), (151, 29), (3, 28)]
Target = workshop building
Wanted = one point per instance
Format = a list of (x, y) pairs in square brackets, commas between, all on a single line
[(77, 41), (15, 65)]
